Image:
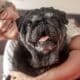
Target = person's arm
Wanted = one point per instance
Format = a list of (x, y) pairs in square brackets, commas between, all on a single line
[(68, 70)]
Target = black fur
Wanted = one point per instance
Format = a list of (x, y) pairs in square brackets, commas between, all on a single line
[(33, 25)]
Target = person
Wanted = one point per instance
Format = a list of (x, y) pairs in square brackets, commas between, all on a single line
[(8, 15), (69, 70)]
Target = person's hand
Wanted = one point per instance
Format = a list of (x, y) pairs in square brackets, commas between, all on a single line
[(15, 75), (8, 27)]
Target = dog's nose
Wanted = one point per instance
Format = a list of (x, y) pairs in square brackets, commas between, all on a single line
[(44, 38)]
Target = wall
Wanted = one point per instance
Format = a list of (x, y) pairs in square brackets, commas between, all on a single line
[(70, 6)]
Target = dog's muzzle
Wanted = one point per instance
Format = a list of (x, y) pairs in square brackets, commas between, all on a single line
[(42, 40), (45, 45)]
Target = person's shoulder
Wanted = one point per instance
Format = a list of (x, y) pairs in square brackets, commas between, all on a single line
[(75, 43), (72, 30)]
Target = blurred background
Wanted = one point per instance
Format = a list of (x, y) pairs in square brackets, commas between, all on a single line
[(71, 7)]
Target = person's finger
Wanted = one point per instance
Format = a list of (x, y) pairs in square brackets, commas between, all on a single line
[(16, 75)]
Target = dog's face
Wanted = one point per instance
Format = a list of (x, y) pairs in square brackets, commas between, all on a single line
[(43, 32)]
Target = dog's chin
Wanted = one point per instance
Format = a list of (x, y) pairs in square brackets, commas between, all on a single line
[(46, 49)]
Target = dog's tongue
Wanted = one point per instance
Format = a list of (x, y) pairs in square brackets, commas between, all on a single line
[(48, 48), (44, 38)]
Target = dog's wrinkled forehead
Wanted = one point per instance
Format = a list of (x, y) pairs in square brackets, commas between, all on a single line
[(38, 14), (43, 14)]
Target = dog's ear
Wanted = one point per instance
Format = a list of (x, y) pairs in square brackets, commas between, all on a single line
[(22, 19), (62, 16), (19, 22)]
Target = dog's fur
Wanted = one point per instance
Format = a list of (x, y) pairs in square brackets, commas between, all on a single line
[(30, 54)]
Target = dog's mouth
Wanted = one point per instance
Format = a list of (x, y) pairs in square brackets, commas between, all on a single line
[(45, 45)]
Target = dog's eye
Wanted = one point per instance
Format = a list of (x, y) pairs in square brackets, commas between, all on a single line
[(36, 23), (53, 37)]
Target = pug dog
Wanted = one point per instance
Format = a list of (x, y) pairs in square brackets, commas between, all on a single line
[(41, 45)]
